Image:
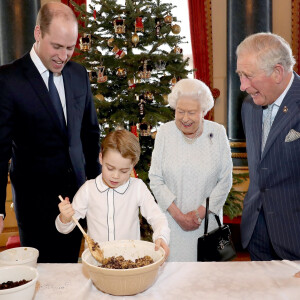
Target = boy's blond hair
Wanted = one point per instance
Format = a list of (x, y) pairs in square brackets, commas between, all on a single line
[(125, 142)]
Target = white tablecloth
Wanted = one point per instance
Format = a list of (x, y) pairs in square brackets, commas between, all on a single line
[(229, 280)]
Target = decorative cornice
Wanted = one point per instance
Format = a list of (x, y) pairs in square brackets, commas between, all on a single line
[(239, 155), (237, 144)]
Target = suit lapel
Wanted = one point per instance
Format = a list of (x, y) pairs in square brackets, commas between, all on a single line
[(283, 117), (38, 84)]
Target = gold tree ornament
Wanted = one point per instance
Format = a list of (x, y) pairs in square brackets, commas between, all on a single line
[(145, 129), (135, 39), (110, 42), (100, 97), (121, 72), (165, 97), (119, 25), (101, 78), (168, 19), (93, 75), (177, 50), (173, 81), (85, 42), (176, 29)]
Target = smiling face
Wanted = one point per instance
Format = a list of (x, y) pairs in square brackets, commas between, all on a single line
[(188, 116), (56, 47), (116, 169), (262, 88)]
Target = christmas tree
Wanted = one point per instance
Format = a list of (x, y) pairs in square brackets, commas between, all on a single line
[(133, 57)]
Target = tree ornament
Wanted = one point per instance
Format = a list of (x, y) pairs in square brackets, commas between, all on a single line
[(177, 50), (100, 97), (145, 70), (145, 129), (93, 76), (119, 25), (110, 42), (121, 72), (176, 29), (168, 19), (148, 96), (95, 14), (157, 26), (120, 127), (165, 97), (101, 78), (85, 42), (215, 92), (131, 83), (139, 26), (153, 134), (160, 65), (141, 105), (119, 53), (135, 39), (173, 81)]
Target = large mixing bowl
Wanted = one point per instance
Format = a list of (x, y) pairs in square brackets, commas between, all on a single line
[(124, 281)]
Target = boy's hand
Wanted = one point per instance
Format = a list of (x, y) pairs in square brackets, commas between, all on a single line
[(66, 211), (161, 243)]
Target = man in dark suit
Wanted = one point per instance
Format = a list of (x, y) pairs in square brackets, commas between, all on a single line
[(51, 136), (270, 227)]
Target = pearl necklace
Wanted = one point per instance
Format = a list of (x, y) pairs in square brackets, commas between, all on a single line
[(193, 140)]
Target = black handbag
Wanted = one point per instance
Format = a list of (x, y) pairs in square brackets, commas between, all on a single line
[(215, 245)]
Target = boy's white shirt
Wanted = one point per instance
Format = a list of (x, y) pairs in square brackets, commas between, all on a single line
[(112, 214)]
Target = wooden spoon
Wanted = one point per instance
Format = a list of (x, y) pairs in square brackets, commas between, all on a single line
[(96, 252)]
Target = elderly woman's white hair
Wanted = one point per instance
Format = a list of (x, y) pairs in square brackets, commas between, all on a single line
[(194, 89)]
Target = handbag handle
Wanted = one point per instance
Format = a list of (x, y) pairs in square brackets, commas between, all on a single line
[(206, 217)]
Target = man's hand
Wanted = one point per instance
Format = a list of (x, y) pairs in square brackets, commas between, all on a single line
[(66, 211)]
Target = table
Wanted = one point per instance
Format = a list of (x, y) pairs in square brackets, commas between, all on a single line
[(206, 280)]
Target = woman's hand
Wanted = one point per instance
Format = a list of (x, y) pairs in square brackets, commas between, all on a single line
[(66, 211), (188, 221), (161, 243)]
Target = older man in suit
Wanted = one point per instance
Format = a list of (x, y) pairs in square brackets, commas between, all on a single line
[(270, 225), (49, 129)]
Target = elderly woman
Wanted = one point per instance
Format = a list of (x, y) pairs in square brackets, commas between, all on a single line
[(191, 161)]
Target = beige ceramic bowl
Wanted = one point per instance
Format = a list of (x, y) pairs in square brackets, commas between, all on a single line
[(129, 281), (17, 273), (19, 256)]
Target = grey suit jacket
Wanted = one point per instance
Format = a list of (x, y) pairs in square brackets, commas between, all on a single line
[(274, 174)]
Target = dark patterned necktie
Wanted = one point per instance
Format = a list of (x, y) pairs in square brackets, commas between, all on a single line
[(56, 101)]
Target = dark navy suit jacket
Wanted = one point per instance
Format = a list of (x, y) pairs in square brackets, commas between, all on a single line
[(274, 174), (44, 158)]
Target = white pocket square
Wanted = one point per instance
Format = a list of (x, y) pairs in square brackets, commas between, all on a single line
[(292, 136)]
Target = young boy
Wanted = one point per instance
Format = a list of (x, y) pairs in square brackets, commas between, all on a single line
[(111, 202)]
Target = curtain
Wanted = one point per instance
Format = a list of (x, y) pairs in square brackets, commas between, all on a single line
[(296, 32), (201, 40)]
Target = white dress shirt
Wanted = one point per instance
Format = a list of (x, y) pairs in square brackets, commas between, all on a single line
[(58, 79), (278, 102), (113, 214)]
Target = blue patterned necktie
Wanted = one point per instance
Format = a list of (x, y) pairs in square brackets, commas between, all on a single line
[(56, 101), (267, 126)]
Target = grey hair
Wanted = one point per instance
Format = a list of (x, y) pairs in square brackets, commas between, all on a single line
[(270, 49), (195, 89)]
